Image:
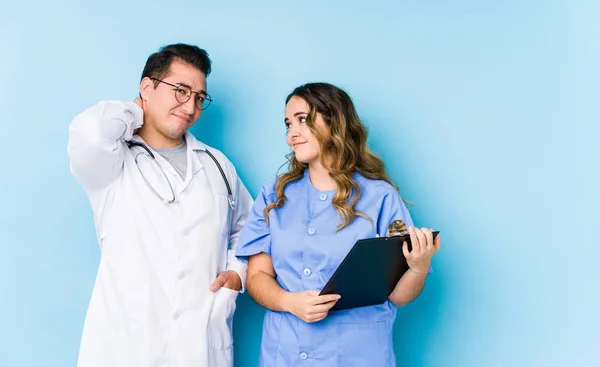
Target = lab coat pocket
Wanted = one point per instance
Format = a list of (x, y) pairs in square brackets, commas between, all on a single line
[(368, 344), (221, 319)]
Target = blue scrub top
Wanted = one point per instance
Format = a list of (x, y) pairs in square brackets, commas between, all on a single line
[(306, 249)]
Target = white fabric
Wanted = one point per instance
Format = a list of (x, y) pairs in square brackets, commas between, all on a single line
[(151, 304)]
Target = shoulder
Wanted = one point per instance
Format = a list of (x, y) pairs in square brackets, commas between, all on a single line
[(269, 191), (292, 189), (374, 188)]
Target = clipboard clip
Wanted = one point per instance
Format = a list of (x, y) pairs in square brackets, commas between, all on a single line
[(397, 228)]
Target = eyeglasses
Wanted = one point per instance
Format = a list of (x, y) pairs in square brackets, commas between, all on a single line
[(183, 93)]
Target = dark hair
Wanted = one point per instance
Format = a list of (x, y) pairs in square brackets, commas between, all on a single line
[(348, 146), (159, 63)]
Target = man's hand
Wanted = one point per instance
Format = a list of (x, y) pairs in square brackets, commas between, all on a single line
[(228, 279)]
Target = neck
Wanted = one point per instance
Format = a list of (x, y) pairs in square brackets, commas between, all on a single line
[(154, 139), (320, 178)]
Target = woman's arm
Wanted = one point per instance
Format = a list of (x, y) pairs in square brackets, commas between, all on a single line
[(265, 290), (419, 260), (261, 282), (408, 288)]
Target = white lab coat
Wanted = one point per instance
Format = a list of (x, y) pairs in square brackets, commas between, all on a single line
[(151, 304)]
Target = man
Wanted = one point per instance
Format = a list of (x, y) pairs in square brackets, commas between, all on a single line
[(168, 211)]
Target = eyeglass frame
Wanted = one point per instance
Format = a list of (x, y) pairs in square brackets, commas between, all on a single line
[(178, 86)]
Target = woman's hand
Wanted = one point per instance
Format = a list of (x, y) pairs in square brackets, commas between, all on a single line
[(308, 305), (423, 248)]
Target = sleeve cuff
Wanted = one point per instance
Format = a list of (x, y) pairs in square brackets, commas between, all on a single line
[(240, 267), (138, 120)]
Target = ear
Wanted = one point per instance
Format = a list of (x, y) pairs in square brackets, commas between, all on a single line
[(146, 86)]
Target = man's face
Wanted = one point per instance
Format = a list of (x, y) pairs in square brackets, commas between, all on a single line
[(163, 113)]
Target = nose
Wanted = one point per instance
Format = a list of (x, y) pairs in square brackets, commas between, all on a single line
[(293, 130), (190, 107)]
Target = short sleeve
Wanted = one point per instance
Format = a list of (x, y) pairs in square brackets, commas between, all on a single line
[(256, 235), (393, 208)]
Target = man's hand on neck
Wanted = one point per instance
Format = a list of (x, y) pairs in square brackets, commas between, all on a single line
[(153, 138)]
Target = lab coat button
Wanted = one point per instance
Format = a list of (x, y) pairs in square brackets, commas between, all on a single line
[(303, 355), (323, 197), (181, 275), (175, 315), (311, 231), (307, 272)]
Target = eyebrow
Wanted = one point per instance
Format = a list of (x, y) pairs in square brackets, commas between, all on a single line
[(296, 114), (185, 85)]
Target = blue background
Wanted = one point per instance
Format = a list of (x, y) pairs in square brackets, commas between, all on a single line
[(486, 114)]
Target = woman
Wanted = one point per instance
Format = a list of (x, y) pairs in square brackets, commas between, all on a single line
[(302, 226)]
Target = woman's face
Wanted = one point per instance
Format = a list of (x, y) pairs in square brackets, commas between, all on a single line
[(299, 137)]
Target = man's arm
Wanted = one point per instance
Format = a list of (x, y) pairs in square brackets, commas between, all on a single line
[(96, 141)]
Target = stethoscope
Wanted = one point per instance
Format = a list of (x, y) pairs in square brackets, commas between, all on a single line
[(169, 201)]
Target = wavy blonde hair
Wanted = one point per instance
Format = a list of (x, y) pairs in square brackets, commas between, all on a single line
[(347, 146)]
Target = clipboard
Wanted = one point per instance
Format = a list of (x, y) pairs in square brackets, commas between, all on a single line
[(369, 272)]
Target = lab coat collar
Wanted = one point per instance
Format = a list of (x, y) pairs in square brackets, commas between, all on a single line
[(195, 146), (190, 140), (194, 143), (193, 162)]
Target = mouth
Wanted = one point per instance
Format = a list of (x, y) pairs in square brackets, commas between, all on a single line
[(183, 119), (297, 144)]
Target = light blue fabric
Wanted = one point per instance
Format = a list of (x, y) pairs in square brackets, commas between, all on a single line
[(306, 249)]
